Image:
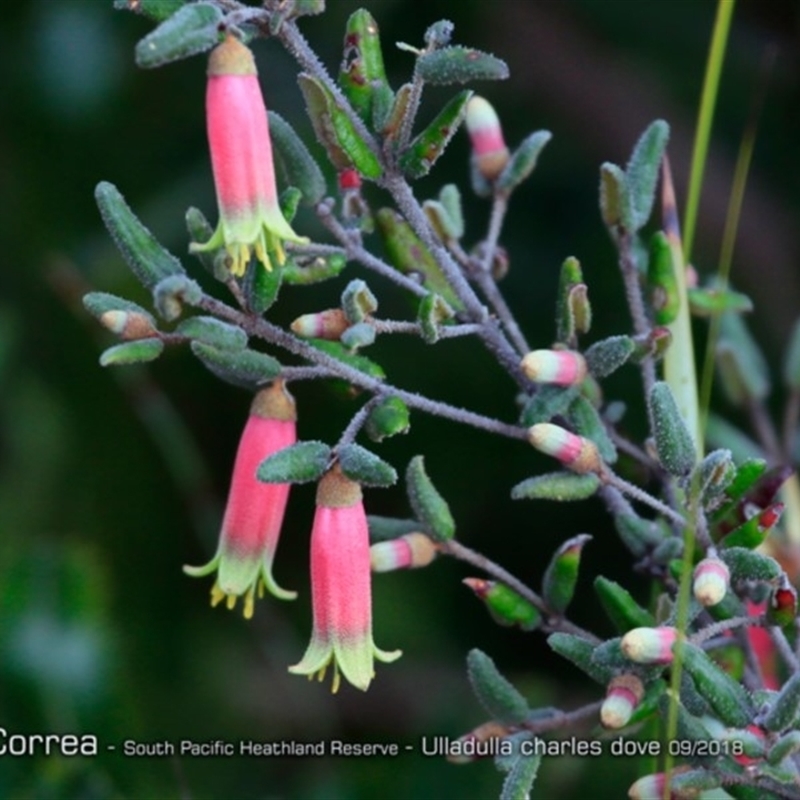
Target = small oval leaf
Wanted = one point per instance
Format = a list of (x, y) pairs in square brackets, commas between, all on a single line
[(429, 506), (366, 468), (214, 332), (193, 29), (560, 486), (148, 260), (137, 352), (302, 462), (459, 65), (246, 368)]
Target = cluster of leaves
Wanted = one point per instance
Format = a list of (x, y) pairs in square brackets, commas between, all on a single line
[(728, 504)]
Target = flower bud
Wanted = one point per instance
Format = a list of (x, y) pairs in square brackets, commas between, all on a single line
[(560, 367), (649, 645), (349, 180), (711, 581), (329, 324), (128, 325), (625, 692), (505, 606), (489, 152), (405, 552), (579, 454)]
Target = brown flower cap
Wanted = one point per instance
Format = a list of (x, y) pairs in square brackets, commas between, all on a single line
[(335, 490), (274, 402), (231, 58)]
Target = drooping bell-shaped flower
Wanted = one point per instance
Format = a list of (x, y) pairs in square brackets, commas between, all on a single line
[(241, 159), (340, 587), (254, 512)]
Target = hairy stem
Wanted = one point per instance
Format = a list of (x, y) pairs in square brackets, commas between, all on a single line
[(255, 326)]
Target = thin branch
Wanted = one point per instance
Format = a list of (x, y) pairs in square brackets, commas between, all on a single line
[(305, 373), (255, 326), (784, 648), (357, 422), (355, 251), (641, 325), (643, 497), (725, 625), (563, 719), (445, 331), (493, 337)]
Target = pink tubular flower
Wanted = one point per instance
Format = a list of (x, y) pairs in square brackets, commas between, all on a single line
[(241, 158), (340, 587), (254, 513)]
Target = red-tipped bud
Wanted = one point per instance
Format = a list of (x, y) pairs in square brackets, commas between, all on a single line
[(349, 180), (711, 580), (478, 743), (624, 693), (782, 608), (649, 645), (579, 454), (241, 159), (561, 367), (489, 152), (129, 324), (405, 552), (330, 324), (505, 605)]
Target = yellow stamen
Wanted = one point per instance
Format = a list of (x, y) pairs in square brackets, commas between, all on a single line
[(249, 602), (262, 255), (216, 595)]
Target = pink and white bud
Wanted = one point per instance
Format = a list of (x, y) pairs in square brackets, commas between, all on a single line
[(409, 551), (241, 159), (329, 324), (559, 367), (254, 512), (649, 645), (128, 325), (711, 581), (624, 694), (341, 592), (579, 454), (489, 152)]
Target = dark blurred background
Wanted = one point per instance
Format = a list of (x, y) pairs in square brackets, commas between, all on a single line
[(112, 479)]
